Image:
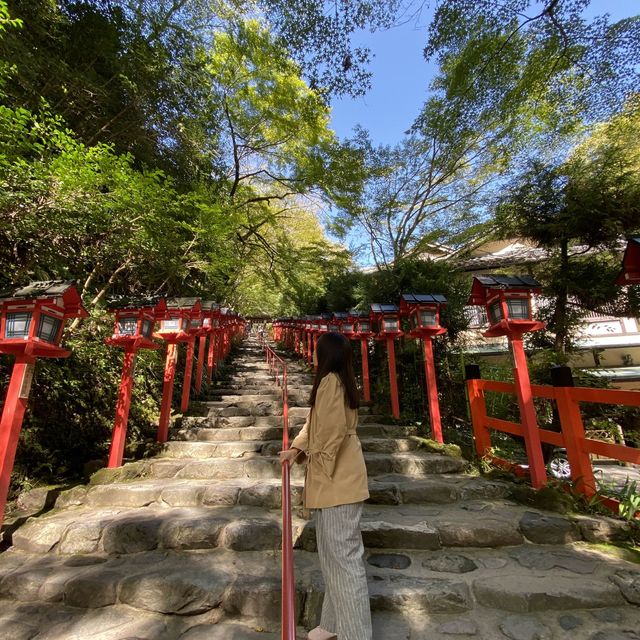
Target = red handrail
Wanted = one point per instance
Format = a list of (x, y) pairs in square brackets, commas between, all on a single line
[(278, 368)]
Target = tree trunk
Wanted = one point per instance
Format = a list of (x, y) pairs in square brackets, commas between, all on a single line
[(562, 301)]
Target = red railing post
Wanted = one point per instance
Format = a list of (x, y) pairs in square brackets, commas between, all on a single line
[(528, 416), (573, 430), (478, 407)]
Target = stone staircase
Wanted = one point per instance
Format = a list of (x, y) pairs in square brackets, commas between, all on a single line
[(185, 545)]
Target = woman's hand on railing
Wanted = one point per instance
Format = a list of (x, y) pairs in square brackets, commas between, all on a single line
[(288, 456)]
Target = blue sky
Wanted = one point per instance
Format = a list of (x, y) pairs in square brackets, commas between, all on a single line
[(401, 76)]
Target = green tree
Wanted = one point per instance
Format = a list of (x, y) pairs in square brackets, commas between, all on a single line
[(580, 211)]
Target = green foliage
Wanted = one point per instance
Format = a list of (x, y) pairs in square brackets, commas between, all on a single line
[(555, 206), (629, 497)]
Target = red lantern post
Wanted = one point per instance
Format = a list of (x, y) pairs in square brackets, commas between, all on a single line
[(213, 327), (423, 311), (31, 324), (134, 324), (387, 322), (630, 273), (175, 328), (208, 309), (361, 327), (507, 300)]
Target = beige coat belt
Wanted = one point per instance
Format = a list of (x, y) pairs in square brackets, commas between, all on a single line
[(318, 456)]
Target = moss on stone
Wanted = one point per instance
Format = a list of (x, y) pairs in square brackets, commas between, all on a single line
[(450, 450)]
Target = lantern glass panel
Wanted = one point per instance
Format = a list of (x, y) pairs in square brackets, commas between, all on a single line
[(333, 327), (184, 324), (390, 324), (364, 326), (147, 328), (347, 328), (495, 312), (206, 323), (48, 327), (518, 308), (172, 324), (195, 323), (427, 317), (18, 325), (128, 325)]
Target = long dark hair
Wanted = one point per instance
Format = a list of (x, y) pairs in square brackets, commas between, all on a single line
[(333, 353)]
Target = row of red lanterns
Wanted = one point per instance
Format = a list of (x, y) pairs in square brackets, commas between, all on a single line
[(31, 325), (507, 301)]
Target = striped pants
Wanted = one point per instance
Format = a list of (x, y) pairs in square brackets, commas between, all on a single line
[(345, 610)]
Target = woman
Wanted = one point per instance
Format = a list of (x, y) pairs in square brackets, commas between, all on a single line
[(336, 486)]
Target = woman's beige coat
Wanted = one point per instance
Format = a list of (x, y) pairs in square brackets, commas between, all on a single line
[(336, 472)]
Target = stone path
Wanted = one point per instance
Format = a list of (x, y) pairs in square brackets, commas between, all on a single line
[(185, 545)]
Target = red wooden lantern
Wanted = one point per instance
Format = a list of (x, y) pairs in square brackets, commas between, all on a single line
[(31, 324), (630, 273), (133, 328), (386, 324), (507, 300), (423, 311), (175, 328)]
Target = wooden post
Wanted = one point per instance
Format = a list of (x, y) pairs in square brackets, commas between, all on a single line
[(13, 412), (432, 390), (167, 391), (528, 416), (364, 352), (188, 372), (573, 430), (478, 408), (201, 357), (393, 378), (119, 435)]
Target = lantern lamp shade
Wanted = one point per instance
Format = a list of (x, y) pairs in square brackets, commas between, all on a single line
[(128, 325), (428, 317), (48, 327), (18, 324), (172, 324), (519, 308), (147, 328), (495, 312), (364, 325)]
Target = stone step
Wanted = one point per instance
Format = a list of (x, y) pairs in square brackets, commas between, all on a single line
[(551, 587), (224, 433), (252, 448), (411, 464), (388, 489), (226, 522)]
